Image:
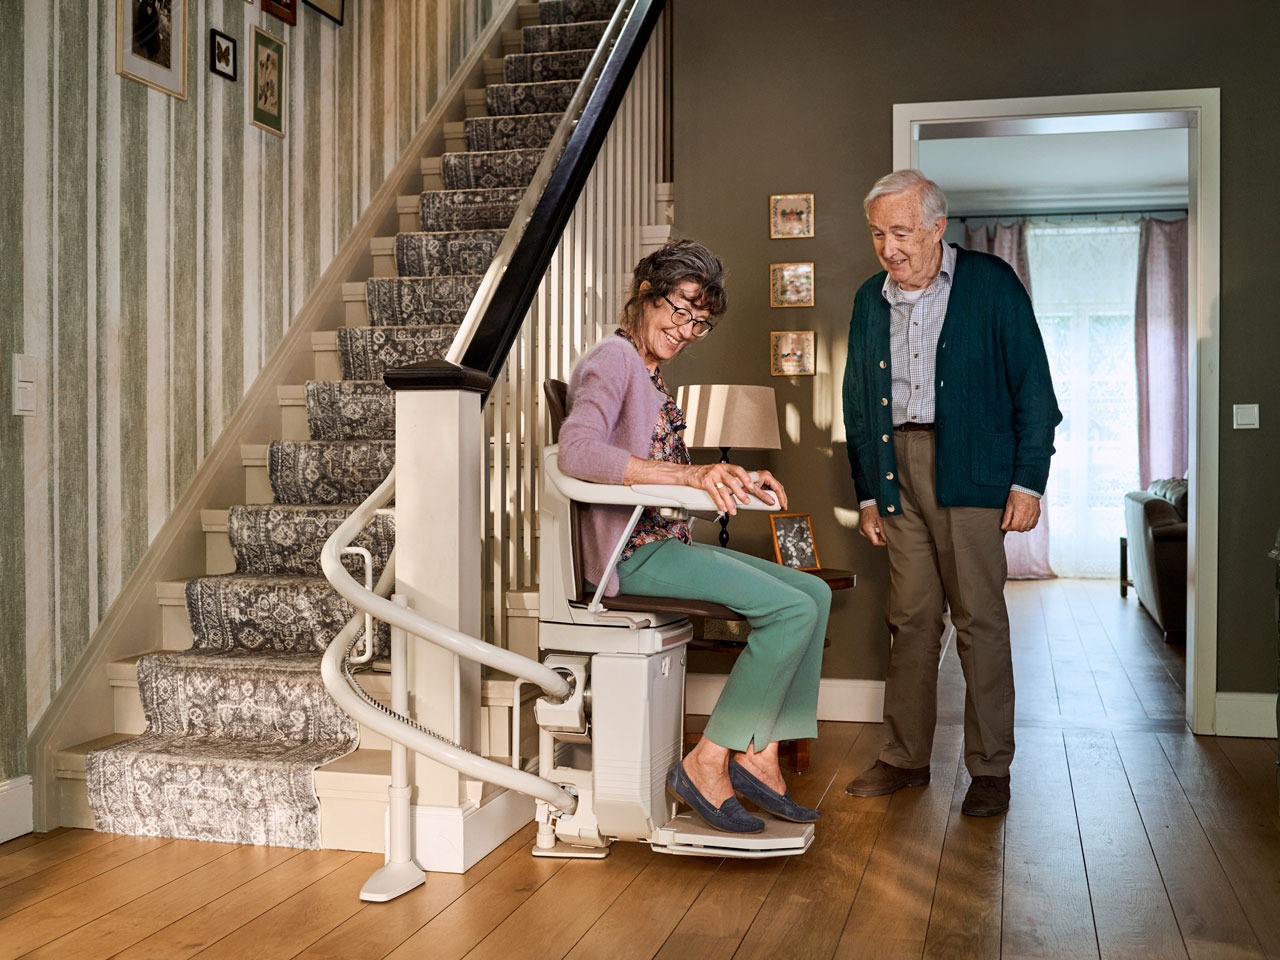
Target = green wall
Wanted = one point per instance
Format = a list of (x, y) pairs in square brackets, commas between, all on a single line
[(801, 102)]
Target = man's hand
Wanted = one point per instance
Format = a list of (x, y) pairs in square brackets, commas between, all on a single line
[(1021, 512), (870, 526)]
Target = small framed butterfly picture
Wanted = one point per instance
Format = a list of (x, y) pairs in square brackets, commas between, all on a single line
[(222, 55)]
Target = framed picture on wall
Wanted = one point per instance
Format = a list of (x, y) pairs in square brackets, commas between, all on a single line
[(222, 54), (151, 43), (791, 284), (333, 9), (793, 544), (286, 10), (790, 215), (791, 353), (270, 81)]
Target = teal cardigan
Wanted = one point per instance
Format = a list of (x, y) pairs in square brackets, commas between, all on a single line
[(995, 406)]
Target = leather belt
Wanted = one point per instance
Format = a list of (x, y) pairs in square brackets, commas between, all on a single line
[(914, 426)]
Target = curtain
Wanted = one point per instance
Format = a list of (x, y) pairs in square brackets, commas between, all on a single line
[(1160, 342), (1086, 272), (1026, 554)]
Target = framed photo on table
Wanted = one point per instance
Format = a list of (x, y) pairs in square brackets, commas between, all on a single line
[(790, 215), (793, 544), (269, 83), (791, 284), (151, 43)]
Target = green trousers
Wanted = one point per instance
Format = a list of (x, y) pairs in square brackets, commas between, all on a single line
[(772, 691)]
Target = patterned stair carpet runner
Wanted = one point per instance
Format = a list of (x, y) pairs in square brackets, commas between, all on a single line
[(237, 724)]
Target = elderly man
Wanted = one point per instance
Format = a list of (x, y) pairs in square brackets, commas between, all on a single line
[(949, 411)]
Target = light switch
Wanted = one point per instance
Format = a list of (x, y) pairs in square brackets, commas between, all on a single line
[(1244, 416), (24, 385)]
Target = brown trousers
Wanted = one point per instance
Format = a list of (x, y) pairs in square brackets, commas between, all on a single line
[(940, 556)]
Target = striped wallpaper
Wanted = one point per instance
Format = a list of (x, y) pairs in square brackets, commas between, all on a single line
[(152, 253)]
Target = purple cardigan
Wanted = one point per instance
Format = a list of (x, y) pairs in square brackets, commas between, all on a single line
[(613, 407)]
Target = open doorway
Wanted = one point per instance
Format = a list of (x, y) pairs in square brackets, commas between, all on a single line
[(1195, 115)]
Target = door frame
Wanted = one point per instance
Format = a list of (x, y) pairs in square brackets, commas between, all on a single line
[(1203, 123)]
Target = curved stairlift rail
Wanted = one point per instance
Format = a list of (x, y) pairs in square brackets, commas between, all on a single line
[(343, 687)]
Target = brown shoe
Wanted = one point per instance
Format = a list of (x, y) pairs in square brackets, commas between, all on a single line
[(987, 796), (885, 778)]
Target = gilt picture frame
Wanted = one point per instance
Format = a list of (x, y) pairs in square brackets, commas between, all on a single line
[(791, 353), (790, 215), (791, 284), (793, 544), (268, 94), (151, 44)]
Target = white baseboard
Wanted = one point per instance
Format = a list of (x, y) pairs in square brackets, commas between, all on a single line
[(1245, 715), (454, 839), (15, 808), (849, 701)]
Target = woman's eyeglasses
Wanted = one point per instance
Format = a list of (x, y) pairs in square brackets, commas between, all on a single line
[(682, 317)]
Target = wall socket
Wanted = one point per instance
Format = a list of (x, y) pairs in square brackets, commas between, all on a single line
[(1244, 416), (24, 385)]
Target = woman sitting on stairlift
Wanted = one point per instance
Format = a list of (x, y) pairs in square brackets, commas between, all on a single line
[(623, 427)]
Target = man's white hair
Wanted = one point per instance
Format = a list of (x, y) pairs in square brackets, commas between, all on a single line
[(932, 199)]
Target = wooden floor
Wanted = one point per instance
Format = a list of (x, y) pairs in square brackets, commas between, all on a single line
[(1127, 837)]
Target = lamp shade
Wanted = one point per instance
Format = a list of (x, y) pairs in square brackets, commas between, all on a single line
[(741, 416)]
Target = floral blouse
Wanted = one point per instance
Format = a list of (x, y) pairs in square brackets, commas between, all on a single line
[(666, 444)]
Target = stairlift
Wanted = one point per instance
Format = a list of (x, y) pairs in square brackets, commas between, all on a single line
[(613, 740)]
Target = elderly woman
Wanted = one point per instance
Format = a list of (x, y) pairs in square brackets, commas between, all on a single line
[(623, 427)]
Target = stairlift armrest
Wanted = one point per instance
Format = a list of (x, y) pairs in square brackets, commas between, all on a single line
[(673, 496)]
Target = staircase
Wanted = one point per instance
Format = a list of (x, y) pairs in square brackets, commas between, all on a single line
[(227, 733)]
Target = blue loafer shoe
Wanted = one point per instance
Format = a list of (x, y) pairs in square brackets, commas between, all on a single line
[(730, 816), (768, 799)]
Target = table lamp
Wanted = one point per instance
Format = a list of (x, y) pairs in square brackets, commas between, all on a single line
[(729, 416)]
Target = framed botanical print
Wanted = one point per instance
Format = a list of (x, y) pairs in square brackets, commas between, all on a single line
[(151, 43), (791, 353), (790, 215), (791, 284), (270, 81)]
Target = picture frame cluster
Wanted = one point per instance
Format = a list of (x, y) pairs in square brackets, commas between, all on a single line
[(791, 284), (151, 44)]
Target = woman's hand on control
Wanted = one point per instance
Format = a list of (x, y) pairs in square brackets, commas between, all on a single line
[(729, 484)]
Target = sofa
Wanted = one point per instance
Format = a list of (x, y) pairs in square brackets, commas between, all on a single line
[(1155, 523)]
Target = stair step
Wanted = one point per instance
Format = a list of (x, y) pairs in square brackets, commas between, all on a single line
[(175, 625), (218, 555), (511, 99), (534, 130), (485, 169), (443, 253), (474, 103), (277, 538), (551, 37), (535, 67), (350, 410), (292, 399), (324, 351), (574, 11), (415, 302), (277, 614), (327, 471), (368, 352), (470, 209)]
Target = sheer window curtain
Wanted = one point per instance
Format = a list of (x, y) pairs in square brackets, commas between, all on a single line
[(1160, 338), (1027, 554)]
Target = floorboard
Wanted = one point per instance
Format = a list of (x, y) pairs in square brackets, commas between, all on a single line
[(1126, 837)]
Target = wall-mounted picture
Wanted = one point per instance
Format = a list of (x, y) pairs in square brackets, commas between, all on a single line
[(790, 215), (333, 9), (151, 43), (791, 353), (269, 83), (222, 54), (793, 544), (791, 284), (286, 10)]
